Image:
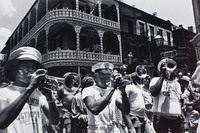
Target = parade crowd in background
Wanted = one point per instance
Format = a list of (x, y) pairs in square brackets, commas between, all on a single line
[(107, 100)]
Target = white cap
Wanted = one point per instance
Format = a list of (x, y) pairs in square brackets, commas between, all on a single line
[(102, 66), (26, 53)]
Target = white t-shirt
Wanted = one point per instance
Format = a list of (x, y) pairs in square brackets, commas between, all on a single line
[(167, 102), (136, 99), (29, 118), (105, 121)]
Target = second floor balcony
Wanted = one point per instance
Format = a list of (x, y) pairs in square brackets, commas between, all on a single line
[(82, 56)]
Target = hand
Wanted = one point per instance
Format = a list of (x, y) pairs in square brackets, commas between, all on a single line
[(122, 82), (36, 77), (48, 94), (163, 70)]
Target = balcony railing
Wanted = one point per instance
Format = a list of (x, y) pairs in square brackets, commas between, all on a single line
[(67, 14), (81, 56), (81, 16)]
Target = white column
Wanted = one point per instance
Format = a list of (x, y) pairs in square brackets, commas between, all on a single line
[(101, 39), (120, 46), (47, 6), (99, 6), (77, 5), (47, 41), (77, 30)]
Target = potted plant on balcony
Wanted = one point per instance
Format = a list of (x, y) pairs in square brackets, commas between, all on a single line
[(96, 48)]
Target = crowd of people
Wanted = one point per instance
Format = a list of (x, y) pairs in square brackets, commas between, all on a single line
[(108, 100)]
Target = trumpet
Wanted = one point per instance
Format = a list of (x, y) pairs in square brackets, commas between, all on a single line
[(167, 63), (69, 80), (48, 83), (170, 65), (121, 81)]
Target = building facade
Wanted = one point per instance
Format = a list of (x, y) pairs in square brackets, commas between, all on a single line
[(196, 39), (72, 35), (196, 6), (138, 32), (186, 55)]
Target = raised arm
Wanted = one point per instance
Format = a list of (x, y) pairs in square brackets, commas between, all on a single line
[(155, 89), (96, 106), (8, 113)]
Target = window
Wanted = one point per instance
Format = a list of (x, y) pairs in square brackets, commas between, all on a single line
[(152, 33), (160, 32), (130, 26), (142, 30), (169, 38)]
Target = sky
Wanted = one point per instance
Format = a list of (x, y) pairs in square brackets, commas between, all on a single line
[(177, 11)]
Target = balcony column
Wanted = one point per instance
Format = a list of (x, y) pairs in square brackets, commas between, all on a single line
[(47, 6), (35, 42), (22, 30), (77, 30), (28, 24), (77, 5), (10, 47), (118, 14), (17, 36), (99, 6), (47, 40), (100, 32), (13, 41), (120, 46)]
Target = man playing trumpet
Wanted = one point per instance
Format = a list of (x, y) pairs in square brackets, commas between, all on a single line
[(166, 92), (103, 101), (21, 102)]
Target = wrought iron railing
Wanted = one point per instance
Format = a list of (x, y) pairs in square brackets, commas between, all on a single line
[(82, 56), (66, 14)]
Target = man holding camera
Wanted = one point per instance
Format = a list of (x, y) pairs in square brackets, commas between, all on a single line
[(103, 101), (166, 92), (21, 102)]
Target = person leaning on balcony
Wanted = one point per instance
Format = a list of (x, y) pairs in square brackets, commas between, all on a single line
[(21, 102), (103, 102)]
